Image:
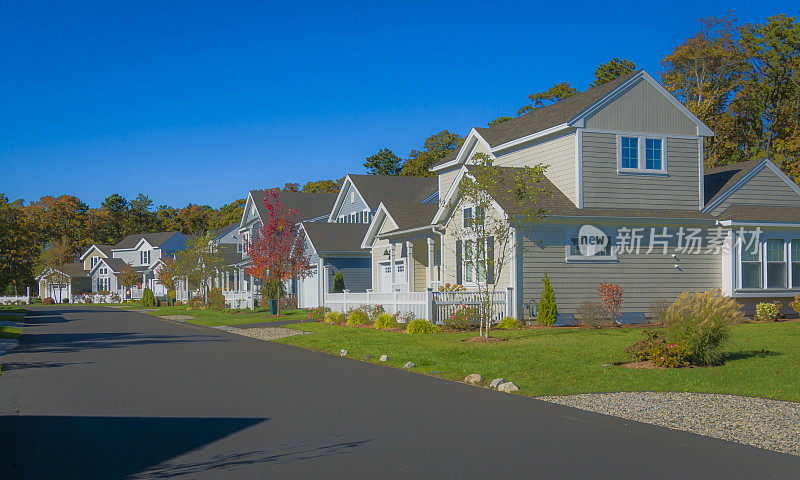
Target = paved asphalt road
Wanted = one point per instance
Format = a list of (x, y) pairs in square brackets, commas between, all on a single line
[(97, 393)]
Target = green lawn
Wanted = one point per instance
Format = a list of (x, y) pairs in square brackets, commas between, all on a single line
[(211, 318), (565, 361), (12, 309), (10, 332)]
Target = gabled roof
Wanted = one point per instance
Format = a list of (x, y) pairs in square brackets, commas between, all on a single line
[(72, 270), (718, 180), (568, 113), (104, 249), (229, 254), (309, 205), (154, 239), (409, 215), (224, 230), (549, 116), (117, 265), (336, 237), (761, 213)]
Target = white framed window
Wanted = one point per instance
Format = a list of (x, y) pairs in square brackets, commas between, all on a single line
[(352, 197), (750, 266), (795, 257), (471, 215), (590, 248), (366, 216), (641, 154), (473, 261), (144, 256), (94, 261), (103, 271), (776, 263), (353, 218)]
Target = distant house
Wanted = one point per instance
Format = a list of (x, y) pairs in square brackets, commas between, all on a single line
[(64, 282)]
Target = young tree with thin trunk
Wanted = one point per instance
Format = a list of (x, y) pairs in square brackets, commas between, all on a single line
[(487, 237), (128, 279), (277, 250), (167, 275), (200, 262), (57, 254)]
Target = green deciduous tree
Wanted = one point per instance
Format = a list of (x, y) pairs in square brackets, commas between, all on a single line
[(323, 186), (554, 94), (612, 69), (200, 262), (499, 120), (436, 148), (487, 237), (385, 162)]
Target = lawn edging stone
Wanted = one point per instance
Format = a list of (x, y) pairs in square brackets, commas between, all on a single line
[(497, 382), (473, 379)]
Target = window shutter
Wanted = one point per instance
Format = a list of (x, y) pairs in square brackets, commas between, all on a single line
[(458, 262), (490, 258)]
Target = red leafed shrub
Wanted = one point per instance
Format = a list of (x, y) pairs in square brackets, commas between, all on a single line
[(611, 299), (48, 301)]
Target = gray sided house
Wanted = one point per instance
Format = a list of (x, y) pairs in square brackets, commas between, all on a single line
[(333, 248), (64, 282), (360, 195), (625, 165)]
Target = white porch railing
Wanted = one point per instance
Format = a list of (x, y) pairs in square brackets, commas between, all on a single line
[(136, 293), (239, 299), (430, 305)]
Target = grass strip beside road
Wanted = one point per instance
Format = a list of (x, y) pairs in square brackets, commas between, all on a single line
[(763, 359)]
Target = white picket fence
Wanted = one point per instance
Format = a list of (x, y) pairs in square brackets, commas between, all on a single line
[(238, 299), (430, 305), (15, 299)]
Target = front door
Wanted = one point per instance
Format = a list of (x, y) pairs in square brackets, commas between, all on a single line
[(384, 277)]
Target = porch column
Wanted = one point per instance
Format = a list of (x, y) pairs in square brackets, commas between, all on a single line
[(321, 283), (431, 258), (391, 266), (410, 265)]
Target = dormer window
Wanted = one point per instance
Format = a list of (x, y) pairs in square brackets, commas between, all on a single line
[(641, 154), (94, 261)]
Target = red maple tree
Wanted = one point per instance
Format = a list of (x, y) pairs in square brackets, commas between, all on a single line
[(277, 251), (611, 299)]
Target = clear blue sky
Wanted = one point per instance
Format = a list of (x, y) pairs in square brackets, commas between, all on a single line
[(199, 102)]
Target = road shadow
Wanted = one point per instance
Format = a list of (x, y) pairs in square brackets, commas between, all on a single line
[(74, 342), (108, 448), (26, 365)]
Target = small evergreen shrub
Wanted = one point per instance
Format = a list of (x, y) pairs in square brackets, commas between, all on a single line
[(420, 326), (384, 321), (216, 300), (357, 317), (548, 311), (48, 301), (65, 300), (148, 299), (36, 300), (509, 323), (701, 322), (338, 283), (767, 311)]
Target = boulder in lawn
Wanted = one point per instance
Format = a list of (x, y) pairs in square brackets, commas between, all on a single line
[(343, 353), (384, 358), (497, 382), (409, 365), (473, 379), (508, 387)]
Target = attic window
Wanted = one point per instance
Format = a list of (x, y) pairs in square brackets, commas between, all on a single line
[(639, 154), (352, 197)]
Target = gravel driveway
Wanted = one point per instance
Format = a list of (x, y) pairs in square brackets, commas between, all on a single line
[(769, 424)]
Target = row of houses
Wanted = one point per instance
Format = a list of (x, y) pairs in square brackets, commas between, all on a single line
[(624, 161)]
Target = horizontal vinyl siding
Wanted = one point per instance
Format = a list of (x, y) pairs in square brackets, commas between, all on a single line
[(644, 278), (605, 188), (765, 188), (420, 265), (642, 109), (347, 208), (446, 180), (558, 153), (355, 271)]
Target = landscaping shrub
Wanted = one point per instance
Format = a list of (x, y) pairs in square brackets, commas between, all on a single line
[(196, 302), (373, 311), (657, 310), (701, 322), (611, 300), (640, 350), (178, 303), (420, 326), (767, 311), (9, 291), (672, 355), (335, 318), (65, 300), (357, 317), (338, 283), (216, 300), (548, 311), (48, 301), (36, 300), (795, 304), (317, 314), (464, 318), (593, 314), (148, 299), (384, 321), (509, 323)]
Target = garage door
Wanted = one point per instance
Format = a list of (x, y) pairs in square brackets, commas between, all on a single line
[(309, 290)]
